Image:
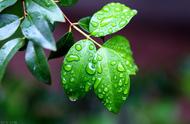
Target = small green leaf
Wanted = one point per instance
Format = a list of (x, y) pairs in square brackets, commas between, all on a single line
[(47, 8), (112, 82), (78, 70), (63, 46), (110, 19), (36, 29), (6, 3), (121, 45), (84, 23), (68, 2), (37, 63), (8, 25), (7, 51)]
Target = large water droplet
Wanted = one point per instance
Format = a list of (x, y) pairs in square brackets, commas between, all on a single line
[(91, 47), (71, 58), (90, 69), (120, 67), (67, 67), (99, 68), (78, 47)]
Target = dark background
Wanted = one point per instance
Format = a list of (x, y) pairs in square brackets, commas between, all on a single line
[(160, 92)]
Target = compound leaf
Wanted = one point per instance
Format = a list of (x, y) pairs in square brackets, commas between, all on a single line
[(47, 8), (37, 63), (84, 23), (8, 25), (36, 29), (110, 19), (78, 70), (121, 45), (63, 46), (112, 82), (6, 3), (68, 2), (7, 51)]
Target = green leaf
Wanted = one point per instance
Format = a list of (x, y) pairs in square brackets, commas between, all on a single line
[(37, 63), (110, 19), (112, 82), (63, 46), (68, 2), (7, 51), (47, 8), (121, 45), (8, 25), (78, 70), (84, 23), (36, 29), (6, 3)]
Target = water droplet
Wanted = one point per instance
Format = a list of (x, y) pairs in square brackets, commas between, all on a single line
[(117, 9), (99, 58), (72, 80), (91, 47), (97, 82), (113, 63), (71, 58), (106, 9), (87, 87), (90, 69), (100, 96), (124, 98), (113, 24), (120, 90), (115, 77), (122, 23), (99, 68), (120, 83), (94, 24), (64, 81), (110, 30), (121, 75), (72, 98), (120, 67), (78, 47), (125, 91), (99, 90), (68, 67), (105, 89)]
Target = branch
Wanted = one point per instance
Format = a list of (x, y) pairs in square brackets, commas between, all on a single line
[(24, 8)]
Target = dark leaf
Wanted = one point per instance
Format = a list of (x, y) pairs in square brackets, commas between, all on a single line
[(63, 46), (84, 23), (37, 63)]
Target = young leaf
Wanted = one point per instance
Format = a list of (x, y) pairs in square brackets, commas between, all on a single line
[(63, 46), (8, 25), (68, 2), (47, 8), (78, 70), (36, 29), (84, 23), (112, 80), (37, 63), (6, 3), (110, 19), (121, 45), (7, 51)]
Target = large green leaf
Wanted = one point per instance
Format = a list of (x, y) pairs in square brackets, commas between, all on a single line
[(84, 23), (78, 70), (7, 51), (37, 63), (63, 46), (121, 45), (68, 2), (110, 19), (6, 3), (47, 8), (112, 79), (8, 25), (36, 29)]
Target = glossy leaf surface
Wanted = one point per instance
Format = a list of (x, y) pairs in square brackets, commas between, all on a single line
[(37, 63), (78, 70), (8, 25), (47, 8), (36, 29), (7, 51), (84, 23), (110, 19), (63, 46), (121, 45), (112, 80), (6, 3)]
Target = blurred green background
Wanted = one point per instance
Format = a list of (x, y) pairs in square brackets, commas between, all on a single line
[(160, 92)]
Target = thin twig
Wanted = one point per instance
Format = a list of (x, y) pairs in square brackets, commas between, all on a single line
[(80, 31), (24, 8)]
